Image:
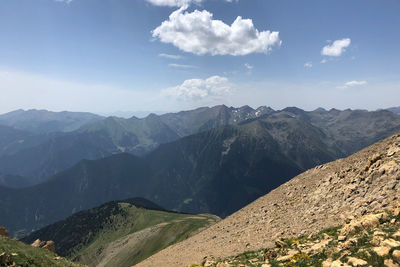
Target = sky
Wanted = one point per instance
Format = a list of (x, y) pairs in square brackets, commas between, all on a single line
[(107, 56)]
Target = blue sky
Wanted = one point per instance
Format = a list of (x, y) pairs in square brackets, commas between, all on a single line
[(129, 55)]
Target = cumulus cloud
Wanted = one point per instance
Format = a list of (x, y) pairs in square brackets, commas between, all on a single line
[(173, 3), (353, 83), (308, 64), (198, 33), (324, 61), (197, 89), (337, 48)]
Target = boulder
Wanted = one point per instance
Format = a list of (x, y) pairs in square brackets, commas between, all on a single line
[(366, 221), (3, 231), (396, 255), (391, 243), (36, 243), (357, 262), (381, 251), (390, 263), (49, 245)]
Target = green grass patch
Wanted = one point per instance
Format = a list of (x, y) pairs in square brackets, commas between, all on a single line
[(28, 256)]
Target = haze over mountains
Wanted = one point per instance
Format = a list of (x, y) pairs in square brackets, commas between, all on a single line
[(223, 158), (43, 121)]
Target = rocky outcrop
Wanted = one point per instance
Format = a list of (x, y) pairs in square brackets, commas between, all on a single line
[(328, 195), (49, 245), (3, 231)]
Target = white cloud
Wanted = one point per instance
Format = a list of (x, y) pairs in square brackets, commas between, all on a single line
[(176, 3), (353, 83), (337, 48), (64, 1), (308, 64), (248, 66), (198, 33), (173, 3), (182, 66), (169, 56), (324, 61), (197, 89)]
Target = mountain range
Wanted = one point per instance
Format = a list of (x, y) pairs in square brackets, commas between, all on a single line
[(45, 154), (44, 121), (40, 156), (216, 171)]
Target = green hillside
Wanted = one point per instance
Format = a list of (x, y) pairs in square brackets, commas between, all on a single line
[(14, 251), (120, 233)]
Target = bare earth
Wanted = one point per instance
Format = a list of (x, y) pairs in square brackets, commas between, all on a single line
[(319, 198)]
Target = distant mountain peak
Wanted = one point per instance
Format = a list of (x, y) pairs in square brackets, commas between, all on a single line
[(320, 110)]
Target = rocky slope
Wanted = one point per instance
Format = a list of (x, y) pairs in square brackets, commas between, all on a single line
[(370, 240), (322, 197)]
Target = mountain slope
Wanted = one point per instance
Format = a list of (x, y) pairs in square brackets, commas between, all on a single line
[(395, 110), (321, 197), (14, 181), (43, 121), (56, 154), (352, 130), (369, 240), (137, 136), (222, 169), (120, 233), (13, 140)]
